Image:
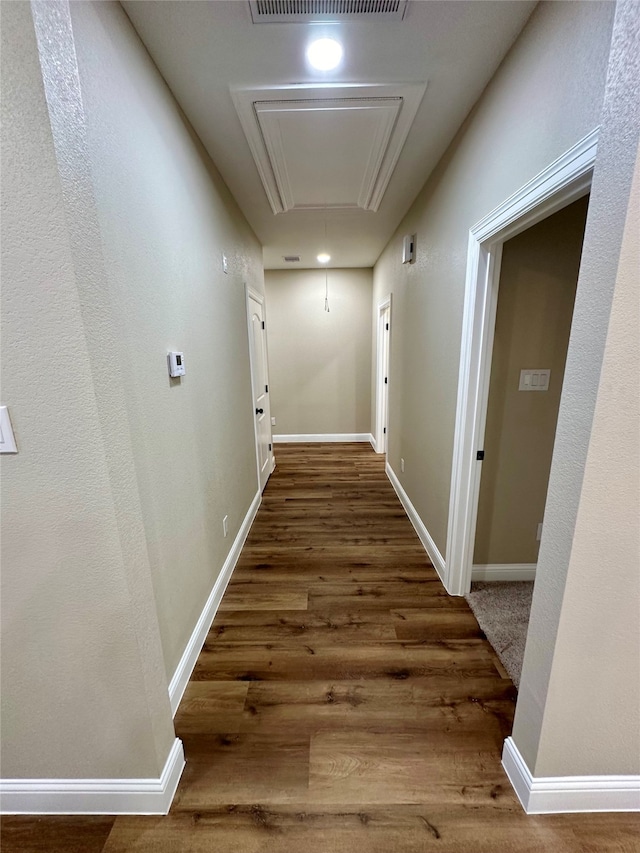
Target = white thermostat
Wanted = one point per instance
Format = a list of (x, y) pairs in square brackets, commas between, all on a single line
[(176, 363)]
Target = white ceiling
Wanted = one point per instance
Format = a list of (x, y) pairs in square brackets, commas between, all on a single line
[(206, 49)]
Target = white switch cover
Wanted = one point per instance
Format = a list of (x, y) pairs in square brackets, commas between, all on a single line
[(536, 379), (7, 439), (273, 421)]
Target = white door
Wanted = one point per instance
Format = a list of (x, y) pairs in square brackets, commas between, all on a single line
[(382, 383), (260, 385)]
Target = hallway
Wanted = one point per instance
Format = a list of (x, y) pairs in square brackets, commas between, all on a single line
[(342, 700)]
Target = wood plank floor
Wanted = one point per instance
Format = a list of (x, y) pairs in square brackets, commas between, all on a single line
[(342, 701)]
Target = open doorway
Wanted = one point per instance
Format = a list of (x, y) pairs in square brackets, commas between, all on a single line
[(382, 374), (536, 296), (564, 181)]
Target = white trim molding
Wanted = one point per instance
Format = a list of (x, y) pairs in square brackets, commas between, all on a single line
[(565, 180), (95, 796), (538, 198), (319, 438), (566, 794), (423, 534), (372, 442), (189, 657), (503, 572)]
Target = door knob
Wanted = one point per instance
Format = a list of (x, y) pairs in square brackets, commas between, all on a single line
[(259, 411)]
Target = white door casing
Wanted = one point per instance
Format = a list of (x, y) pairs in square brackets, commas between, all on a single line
[(260, 385), (564, 181), (382, 374)]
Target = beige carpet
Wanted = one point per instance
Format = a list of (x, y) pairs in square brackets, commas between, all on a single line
[(502, 610)]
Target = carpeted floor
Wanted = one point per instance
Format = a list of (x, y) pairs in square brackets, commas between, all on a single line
[(502, 610)]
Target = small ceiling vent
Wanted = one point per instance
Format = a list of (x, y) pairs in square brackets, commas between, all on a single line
[(309, 11), (291, 259)]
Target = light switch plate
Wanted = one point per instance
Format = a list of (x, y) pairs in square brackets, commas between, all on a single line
[(535, 379), (7, 438)]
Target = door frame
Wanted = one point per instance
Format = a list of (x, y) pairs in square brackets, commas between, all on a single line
[(252, 293), (382, 370), (567, 179)]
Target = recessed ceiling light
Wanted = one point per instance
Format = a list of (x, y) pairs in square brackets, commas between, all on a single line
[(324, 54), (324, 258)]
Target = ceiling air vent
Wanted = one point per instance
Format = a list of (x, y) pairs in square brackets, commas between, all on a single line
[(309, 11), (291, 259)]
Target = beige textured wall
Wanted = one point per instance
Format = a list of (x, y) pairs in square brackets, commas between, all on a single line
[(319, 362), (83, 684), (113, 225), (546, 95), (538, 281), (165, 218), (597, 664), (578, 706)]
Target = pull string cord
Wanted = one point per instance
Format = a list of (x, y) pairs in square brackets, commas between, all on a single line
[(326, 269)]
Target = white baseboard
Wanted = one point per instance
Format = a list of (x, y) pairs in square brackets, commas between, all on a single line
[(373, 443), (504, 572), (565, 794), (425, 537), (95, 796), (190, 655), (320, 438)]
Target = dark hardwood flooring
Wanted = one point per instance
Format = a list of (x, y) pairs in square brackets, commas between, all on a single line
[(342, 701)]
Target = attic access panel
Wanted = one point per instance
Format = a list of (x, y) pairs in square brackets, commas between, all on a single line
[(311, 11), (327, 146), (327, 153)]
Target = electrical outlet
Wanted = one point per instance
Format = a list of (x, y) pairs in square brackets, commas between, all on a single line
[(402, 465), (225, 264), (539, 533), (273, 421), (225, 525)]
